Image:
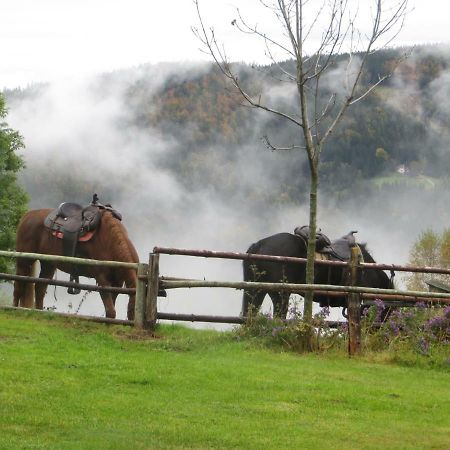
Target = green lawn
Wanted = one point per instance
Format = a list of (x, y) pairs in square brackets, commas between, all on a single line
[(67, 384)]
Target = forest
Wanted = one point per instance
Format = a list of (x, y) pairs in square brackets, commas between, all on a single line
[(396, 139)]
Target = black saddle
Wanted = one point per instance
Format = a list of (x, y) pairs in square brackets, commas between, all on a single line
[(72, 218), (72, 221), (322, 240), (339, 249)]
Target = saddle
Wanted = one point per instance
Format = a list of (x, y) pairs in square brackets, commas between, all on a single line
[(339, 249), (322, 240), (72, 223)]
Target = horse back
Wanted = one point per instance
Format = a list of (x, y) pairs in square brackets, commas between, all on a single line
[(31, 230), (280, 244)]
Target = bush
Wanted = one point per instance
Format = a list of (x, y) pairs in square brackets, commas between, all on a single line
[(418, 335), (292, 334)]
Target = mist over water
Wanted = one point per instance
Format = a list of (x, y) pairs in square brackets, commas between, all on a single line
[(71, 133)]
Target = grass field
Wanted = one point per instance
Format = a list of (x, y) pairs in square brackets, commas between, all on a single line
[(67, 384)]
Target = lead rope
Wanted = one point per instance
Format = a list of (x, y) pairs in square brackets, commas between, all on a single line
[(53, 308), (82, 300)]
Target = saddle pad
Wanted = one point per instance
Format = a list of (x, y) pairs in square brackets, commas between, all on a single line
[(84, 238)]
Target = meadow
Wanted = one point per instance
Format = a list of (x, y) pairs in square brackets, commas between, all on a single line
[(69, 384)]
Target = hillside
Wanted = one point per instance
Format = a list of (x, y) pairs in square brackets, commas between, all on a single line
[(403, 124)]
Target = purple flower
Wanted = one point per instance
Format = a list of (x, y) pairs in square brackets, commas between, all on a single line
[(395, 329), (276, 330), (436, 323), (424, 346), (447, 312), (380, 306), (323, 313), (420, 305)]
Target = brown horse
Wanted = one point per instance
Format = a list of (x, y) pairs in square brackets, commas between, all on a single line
[(109, 243)]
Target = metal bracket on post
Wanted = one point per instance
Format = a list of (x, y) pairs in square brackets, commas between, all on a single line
[(152, 291), (354, 305)]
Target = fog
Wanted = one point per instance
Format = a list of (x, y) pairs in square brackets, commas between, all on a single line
[(72, 133)]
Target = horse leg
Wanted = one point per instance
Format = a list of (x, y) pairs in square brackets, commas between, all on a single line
[(131, 306), (107, 297), (252, 301), (47, 271), (110, 310), (23, 291), (131, 301), (280, 302), (115, 294)]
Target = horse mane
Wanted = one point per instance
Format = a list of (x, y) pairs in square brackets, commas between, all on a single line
[(366, 255), (123, 248), (369, 259)]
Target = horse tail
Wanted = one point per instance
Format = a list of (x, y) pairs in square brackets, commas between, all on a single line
[(249, 275), (247, 263), (28, 294)]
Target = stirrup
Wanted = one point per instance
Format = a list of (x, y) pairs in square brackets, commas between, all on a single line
[(71, 289)]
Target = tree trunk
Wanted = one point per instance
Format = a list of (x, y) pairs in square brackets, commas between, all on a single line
[(307, 311)]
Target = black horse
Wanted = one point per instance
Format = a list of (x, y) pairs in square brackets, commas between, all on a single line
[(286, 244)]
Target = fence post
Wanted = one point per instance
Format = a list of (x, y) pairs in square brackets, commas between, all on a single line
[(152, 291), (354, 305), (141, 295)]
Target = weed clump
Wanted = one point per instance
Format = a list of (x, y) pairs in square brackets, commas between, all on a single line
[(293, 334), (417, 335)]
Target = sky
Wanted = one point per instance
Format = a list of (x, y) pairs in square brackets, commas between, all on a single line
[(46, 40)]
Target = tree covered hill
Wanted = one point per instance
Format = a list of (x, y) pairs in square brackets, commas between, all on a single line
[(400, 127), (403, 124)]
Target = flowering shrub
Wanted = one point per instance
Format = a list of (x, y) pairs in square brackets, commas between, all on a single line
[(438, 327), (293, 333), (413, 335), (418, 330)]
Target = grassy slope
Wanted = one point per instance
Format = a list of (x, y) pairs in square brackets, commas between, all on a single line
[(68, 384)]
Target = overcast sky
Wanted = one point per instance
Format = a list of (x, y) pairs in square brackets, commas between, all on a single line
[(42, 40)]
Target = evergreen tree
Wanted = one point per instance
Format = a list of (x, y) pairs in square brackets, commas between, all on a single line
[(13, 199)]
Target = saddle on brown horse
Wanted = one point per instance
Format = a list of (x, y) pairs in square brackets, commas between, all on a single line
[(72, 223)]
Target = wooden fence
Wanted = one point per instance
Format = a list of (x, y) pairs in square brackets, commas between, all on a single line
[(149, 282), (354, 292)]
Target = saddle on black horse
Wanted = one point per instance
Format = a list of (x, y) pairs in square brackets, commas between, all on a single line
[(72, 223), (338, 250)]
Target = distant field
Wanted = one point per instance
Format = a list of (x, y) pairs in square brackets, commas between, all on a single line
[(67, 384), (404, 180)]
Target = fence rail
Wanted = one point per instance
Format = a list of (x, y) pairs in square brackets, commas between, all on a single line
[(300, 288), (69, 259), (53, 282), (291, 259), (149, 282)]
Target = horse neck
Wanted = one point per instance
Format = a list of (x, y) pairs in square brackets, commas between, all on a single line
[(366, 255), (385, 281)]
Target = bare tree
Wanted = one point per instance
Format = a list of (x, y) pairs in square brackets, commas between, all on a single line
[(342, 44)]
